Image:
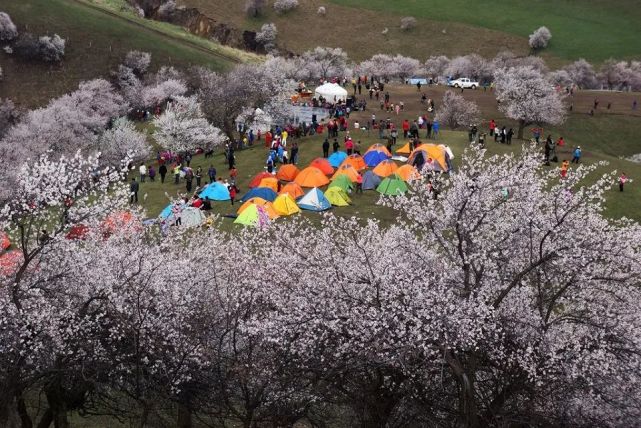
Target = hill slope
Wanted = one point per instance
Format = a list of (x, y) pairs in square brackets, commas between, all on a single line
[(97, 41)]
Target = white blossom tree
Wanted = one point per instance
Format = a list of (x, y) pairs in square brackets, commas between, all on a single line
[(582, 74), (8, 30), (526, 96), (159, 93), (122, 142), (138, 61), (435, 66), (267, 36), (183, 127), (539, 39), (408, 23), (284, 6), (455, 111), (330, 62), (51, 48)]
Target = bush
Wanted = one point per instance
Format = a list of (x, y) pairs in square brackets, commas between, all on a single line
[(407, 23), (27, 46), (138, 61), (8, 30), (321, 11), (167, 9), (267, 35), (254, 7), (540, 38), (284, 6), (51, 49)]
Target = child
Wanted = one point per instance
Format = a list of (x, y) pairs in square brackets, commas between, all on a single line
[(564, 168)]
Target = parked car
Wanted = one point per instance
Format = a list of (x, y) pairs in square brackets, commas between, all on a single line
[(464, 82), (415, 80)]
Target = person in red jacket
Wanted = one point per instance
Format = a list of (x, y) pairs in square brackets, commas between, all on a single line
[(268, 139), (232, 193), (492, 127), (406, 128)]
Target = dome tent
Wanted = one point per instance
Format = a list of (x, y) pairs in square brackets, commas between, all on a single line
[(332, 92)]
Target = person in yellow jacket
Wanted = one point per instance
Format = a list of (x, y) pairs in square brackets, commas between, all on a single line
[(176, 172)]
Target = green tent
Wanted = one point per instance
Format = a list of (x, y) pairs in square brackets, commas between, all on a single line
[(253, 215), (337, 197), (392, 185), (342, 181)]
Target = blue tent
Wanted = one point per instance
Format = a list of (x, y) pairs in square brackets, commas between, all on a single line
[(166, 212), (336, 159), (370, 180), (314, 200), (216, 192), (374, 157), (261, 192)]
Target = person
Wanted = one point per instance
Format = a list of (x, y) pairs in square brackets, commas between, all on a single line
[(270, 164), (349, 146), (560, 142), (133, 190), (510, 134), (536, 132), (231, 160), (564, 168), (163, 172), (176, 210), (232, 193), (482, 139), (576, 155), (151, 171), (326, 148), (335, 145), (294, 153), (359, 184), (596, 103), (393, 135), (418, 86), (634, 105), (435, 128), (406, 128), (233, 175), (143, 172), (503, 135), (188, 158), (492, 127), (622, 179), (357, 147), (189, 179), (199, 176), (177, 174), (211, 172), (428, 125)]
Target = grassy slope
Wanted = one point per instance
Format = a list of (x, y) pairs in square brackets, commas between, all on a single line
[(96, 43), (593, 29)]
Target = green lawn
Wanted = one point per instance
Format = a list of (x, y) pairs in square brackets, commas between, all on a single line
[(96, 43), (592, 29)]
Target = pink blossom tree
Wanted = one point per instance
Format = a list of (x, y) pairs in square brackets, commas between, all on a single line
[(455, 111)]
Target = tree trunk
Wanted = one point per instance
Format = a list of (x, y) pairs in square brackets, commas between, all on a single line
[(519, 135), (46, 419), (184, 416), (25, 419)]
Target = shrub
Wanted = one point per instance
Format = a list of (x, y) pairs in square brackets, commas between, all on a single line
[(407, 23), (540, 38), (138, 61), (254, 7), (284, 6), (167, 9), (321, 11), (27, 46), (8, 30), (51, 49), (267, 35)]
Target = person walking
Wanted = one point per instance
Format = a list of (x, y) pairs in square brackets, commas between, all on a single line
[(211, 172), (152, 173), (163, 172), (133, 191), (492, 127), (177, 174), (143, 172), (232, 193), (326, 148), (576, 156), (335, 145), (294, 153)]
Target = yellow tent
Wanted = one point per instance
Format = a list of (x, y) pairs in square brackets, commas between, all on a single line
[(285, 205), (269, 208), (431, 153), (408, 172), (337, 197), (270, 182), (405, 150), (349, 171)]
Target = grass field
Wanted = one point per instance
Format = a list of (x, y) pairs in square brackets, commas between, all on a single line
[(96, 43), (594, 134)]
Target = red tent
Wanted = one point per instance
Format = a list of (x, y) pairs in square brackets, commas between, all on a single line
[(255, 182)]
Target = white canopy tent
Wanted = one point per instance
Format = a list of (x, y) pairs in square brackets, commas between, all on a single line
[(332, 92)]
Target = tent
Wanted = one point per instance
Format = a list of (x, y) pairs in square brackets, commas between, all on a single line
[(393, 185), (405, 150), (378, 147), (166, 212), (356, 161), (292, 189), (332, 92), (255, 182), (323, 164), (5, 242), (343, 182), (216, 192), (314, 200), (262, 192), (287, 172), (372, 159), (256, 200), (432, 154), (286, 205), (336, 159), (271, 182), (311, 177), (370, 180), (254, 215), (385, 168), (78, 231), (337, 197), (118, 221), (191, 217), (408, 172), (349, 171)]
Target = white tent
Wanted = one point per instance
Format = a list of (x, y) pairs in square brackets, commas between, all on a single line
[(332, 92), (191, 217)]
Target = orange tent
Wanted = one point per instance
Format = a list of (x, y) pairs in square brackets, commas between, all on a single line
[(293, 189), (408, 172), (255, 182), (378, 147), (385, 168), (311, 177), (119, 220), (349, 171), (10, 262), (270, 182), (431, 152), (356, 161), (323, 164), (5, 242), (269, 208), (405, 150), (287, 172)]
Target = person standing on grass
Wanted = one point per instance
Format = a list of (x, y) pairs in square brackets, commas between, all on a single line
[(232, 193), (326, 148), (406, 128), (211, 172), (622, 179), (335, 146), (564, 168), (510, 134), (133, 190), (152, 173), (294, 153), (177, 174), (143, 172), (199, 176), (163, 172), (189, 179), (492, 127), (576, 156)]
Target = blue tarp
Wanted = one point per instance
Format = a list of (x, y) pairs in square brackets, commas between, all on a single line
[(166, 212), (336, 159), (260, 192), (314, 200), (370, 180), (215, 192), (374, 157)]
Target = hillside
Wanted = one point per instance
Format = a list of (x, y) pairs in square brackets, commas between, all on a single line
[(593, 29), (97, 40)]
